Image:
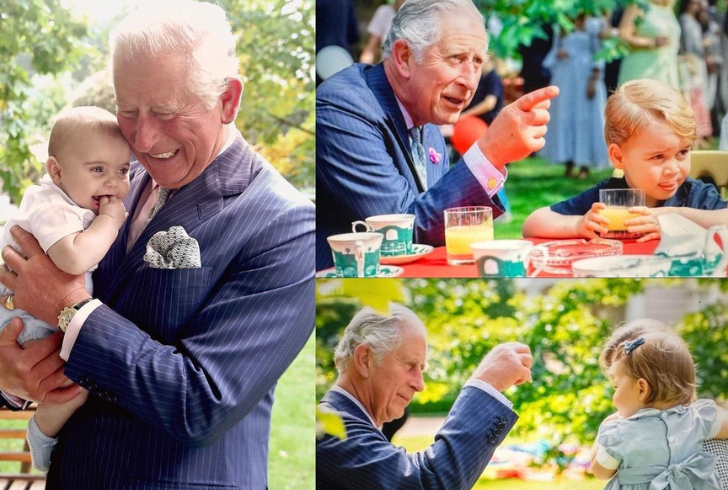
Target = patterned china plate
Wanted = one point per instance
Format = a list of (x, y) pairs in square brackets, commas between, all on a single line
[(418, 251), (384, 271)]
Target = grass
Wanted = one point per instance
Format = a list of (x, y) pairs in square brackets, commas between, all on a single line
[(534, 183), (293, 433), (420, 442)]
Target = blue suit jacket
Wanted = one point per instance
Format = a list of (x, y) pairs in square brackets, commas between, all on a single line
[(476, 425), (183, 363), (363, 161)]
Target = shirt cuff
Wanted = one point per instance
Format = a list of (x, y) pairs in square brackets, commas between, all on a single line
[(482, 385), (489, 177), (16, 401), (606, 460), (74, 327)]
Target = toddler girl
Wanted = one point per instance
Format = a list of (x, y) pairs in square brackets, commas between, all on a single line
[(654, 441)]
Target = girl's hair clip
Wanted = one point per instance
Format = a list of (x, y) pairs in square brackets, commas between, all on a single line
[(630, 346)]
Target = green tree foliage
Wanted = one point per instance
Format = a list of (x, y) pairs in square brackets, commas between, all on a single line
[(523, 20), (565, 326), (38, 36), (276, 51)]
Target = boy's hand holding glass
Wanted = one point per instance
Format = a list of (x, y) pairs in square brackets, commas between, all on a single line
[(593, 224), (645, 225)]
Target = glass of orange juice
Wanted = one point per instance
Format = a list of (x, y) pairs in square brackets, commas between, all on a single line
[(618, 202), (464, 226)]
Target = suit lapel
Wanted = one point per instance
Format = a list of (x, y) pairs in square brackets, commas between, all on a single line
[(377, 81), (189, 207)]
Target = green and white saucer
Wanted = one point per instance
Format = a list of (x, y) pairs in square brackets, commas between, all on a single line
[(418, 251)]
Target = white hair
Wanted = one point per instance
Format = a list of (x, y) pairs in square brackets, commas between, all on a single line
[(198, 30), (381, 333), (418, 23)]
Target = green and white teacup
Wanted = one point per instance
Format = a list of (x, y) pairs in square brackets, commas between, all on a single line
[(356, 254), (396, 228), (503, 258), (710, 258)]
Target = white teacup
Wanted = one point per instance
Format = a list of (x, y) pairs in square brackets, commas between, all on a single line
[(503, 258), (396, 228), (356, 254)]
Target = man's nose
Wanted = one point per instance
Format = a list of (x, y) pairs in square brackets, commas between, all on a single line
[(418, 382), (470, 75), (147, 133)]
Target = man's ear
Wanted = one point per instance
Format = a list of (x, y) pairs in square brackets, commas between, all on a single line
[(402, 58), (616, 156), (644, 388), (362, 357), (230, 99), (53, 167)]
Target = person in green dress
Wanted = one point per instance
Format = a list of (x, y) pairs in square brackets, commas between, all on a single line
[(654, 43)]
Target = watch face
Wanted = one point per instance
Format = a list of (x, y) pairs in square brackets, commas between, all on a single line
[(65, 318)]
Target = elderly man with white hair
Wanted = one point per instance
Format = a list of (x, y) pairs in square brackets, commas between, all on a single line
[(378, 146), (205, 297), (380, 360)]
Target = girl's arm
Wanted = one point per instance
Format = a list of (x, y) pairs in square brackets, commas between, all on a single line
[(723, 417), (599, 471)]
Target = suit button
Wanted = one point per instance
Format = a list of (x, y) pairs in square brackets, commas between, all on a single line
[(491, 438), (501, 425), (112, 397)]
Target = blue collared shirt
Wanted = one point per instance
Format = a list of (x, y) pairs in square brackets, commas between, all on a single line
[(691, 194)]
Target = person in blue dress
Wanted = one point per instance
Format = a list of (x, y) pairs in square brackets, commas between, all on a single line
[(654, 440), (575, 136), (649, 130)]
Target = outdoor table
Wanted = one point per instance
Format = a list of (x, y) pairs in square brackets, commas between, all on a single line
[(435, 263)]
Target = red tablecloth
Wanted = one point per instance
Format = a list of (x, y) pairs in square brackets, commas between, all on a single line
[(435, 264)]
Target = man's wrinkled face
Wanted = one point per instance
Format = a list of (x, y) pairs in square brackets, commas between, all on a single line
[(394, 381), (169, 129), (445, 82)]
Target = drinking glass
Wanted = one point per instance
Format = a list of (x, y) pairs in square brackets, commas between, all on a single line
[(464, 226), (618, 202)]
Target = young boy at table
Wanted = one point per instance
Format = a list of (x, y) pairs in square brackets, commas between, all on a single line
[(649, 129)]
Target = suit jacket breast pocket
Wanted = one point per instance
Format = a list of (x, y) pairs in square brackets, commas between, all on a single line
[(162, 300)]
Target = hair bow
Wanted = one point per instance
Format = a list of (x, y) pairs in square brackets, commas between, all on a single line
[(630, 346)]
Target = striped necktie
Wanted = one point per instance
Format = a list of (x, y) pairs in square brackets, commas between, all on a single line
[(418, 154), (162, 198)]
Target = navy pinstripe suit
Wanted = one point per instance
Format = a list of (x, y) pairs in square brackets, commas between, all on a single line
[(183, 363), (363, 161), (366, 460)]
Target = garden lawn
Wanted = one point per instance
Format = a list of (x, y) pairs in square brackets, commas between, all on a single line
[(420, 442), (293, 435), (534, 183)]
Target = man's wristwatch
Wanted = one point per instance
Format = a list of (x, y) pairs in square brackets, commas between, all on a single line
[(67, 314)]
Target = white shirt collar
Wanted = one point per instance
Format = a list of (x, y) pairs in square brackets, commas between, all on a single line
[(407, 117), (342, 391)]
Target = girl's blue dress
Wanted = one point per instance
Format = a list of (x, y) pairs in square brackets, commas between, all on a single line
[(661, 449)]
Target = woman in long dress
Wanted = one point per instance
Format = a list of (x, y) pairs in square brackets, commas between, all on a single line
[(654, 43), (576, 128)]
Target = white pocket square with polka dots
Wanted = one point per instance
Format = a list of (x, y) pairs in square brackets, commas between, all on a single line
[(173, 249)]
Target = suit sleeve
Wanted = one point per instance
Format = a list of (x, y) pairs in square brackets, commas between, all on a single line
[(476, 425), (355, 165), (227, 356)]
